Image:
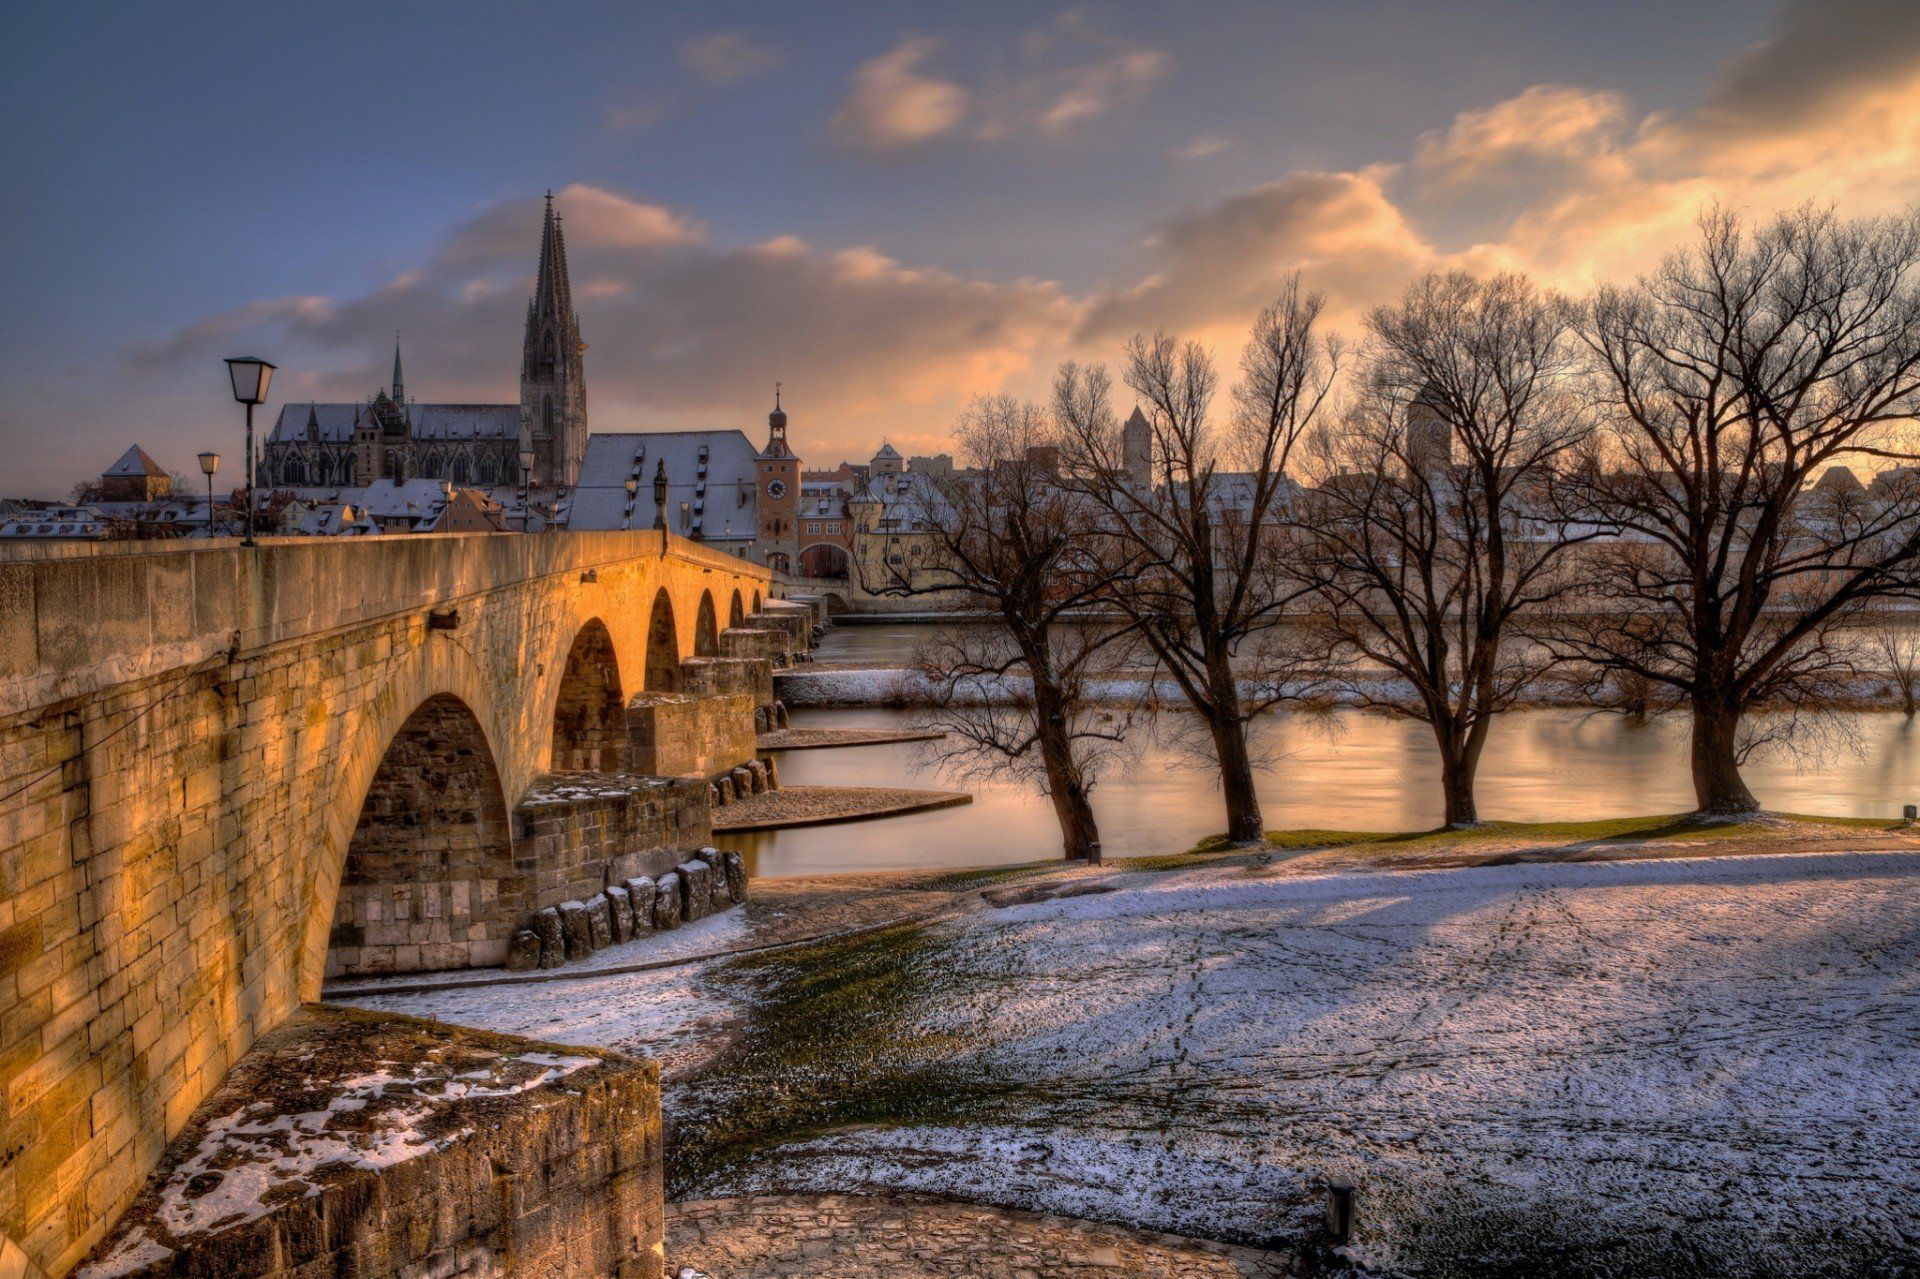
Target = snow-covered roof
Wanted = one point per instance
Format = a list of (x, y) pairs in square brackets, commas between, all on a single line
[(335, 422), (134, 462), (711, 471)]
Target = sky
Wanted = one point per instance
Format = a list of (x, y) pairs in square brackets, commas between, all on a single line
[(889, 208)]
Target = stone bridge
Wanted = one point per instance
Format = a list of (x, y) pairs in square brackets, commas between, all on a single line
[(200, 744)]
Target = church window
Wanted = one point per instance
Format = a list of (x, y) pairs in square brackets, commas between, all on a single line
[(293, 472), (487, 472), (462, 473)]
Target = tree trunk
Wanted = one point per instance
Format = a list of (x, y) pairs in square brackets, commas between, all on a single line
[(1236, 781), (1079, 836), (1718, 789), (1457, 769), (1244, 825)]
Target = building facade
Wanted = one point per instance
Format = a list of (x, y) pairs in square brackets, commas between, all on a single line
[(719, 489), (391, 437)]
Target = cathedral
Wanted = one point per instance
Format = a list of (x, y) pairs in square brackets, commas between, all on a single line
[(392, 437)]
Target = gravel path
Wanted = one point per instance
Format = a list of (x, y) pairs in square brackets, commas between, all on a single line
[(914, 1237)]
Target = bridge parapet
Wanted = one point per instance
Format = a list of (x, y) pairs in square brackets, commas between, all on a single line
[(190, 737)]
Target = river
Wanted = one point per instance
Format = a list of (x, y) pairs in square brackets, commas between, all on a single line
[(1351, 771)]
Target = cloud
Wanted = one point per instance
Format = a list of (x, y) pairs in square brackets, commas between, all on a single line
[(1568, 183), (634, 114), (892, 107), (1564, 182), (683, 330), (1207, 144), (1216, 268), (1058, 78), (729, 57)]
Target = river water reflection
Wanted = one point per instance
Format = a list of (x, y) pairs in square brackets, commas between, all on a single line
[(1361, 771)]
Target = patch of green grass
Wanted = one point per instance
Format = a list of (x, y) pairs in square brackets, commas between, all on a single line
[(1215, 849), (994, 875), (835, 1039)]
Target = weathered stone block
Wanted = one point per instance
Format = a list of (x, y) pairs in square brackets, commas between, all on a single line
[(578, 929), (619, 913), (600, 921), (553, 937), (545, 1161), (523, 951), (773, 773), (736, 869), (697, 895), (666, 903), (720, 892), (640, 894)]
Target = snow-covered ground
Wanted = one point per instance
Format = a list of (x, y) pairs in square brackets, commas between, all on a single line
[(1703, 1067)]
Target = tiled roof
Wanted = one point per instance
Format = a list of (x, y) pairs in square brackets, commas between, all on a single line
[(135, 461)]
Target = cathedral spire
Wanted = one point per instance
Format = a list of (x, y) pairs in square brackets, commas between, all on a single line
[(552, 292), (399, 383), (553, 395)]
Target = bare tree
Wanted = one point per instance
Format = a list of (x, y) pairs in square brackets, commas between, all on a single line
[(1727, 378), (1894, 645), (1202, 584), (1427, 536), (1006, 538)]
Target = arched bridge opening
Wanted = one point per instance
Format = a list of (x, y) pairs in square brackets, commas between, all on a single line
[(429, 880), (589, 718)]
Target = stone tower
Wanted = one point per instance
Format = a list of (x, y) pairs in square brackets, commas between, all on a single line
[(553, 384), (1429, 445), (1136, 449), (778, 471)]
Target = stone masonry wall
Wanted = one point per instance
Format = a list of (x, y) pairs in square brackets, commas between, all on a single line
[(187, 732), (425, 1150), (682, 735), (709, 675), (580, 832)]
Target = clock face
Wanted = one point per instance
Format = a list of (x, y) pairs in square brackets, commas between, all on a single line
[(776, 489)]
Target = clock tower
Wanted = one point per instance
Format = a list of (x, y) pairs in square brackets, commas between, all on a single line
[(777, 471)]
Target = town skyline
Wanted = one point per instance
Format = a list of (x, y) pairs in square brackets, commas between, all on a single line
[(859, 248)]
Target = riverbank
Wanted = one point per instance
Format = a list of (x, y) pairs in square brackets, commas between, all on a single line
[(830, 685), (1558, 1066)]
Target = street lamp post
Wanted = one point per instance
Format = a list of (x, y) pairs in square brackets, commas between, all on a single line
[(250, 375), (526, 489), (209, 463), (660, 495), (633, 487)]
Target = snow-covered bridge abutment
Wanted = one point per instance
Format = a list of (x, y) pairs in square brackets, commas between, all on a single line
[(224, 771)]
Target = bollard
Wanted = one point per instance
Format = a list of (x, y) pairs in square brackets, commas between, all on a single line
[(1339, 1211)]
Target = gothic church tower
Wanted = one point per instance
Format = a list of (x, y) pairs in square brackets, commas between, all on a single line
[(553, 384)]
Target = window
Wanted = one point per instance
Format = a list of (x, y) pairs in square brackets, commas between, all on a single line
[(813, 528)]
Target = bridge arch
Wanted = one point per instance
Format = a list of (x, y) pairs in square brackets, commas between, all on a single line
[(706, 633), (736, 614), (828, 560), (441, 670), (756, 599), (663, 645), (589, 708), (428, 878)]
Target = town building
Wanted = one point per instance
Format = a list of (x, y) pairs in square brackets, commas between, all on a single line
[(391, 437), (720, 489)]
